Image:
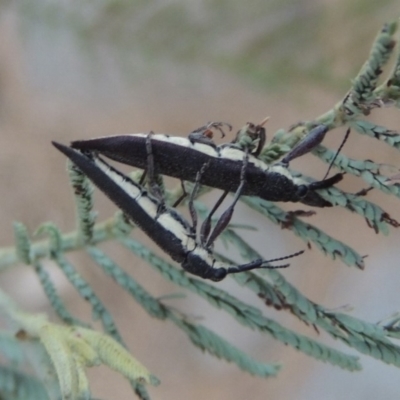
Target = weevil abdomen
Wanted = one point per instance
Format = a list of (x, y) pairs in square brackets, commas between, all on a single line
[(166, 231)]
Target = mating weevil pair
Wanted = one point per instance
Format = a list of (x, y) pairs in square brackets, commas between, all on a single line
[(163, 224), (226, 167)]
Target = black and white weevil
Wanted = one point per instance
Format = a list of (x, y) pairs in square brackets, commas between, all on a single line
[(182, 158), (163, 224)]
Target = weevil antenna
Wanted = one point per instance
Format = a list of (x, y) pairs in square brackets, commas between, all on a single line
[(346, 136), (257, 264), (260, 264), (298, 253), (225, 218)]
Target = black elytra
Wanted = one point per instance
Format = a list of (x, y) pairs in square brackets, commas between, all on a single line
[(182, 158), (163, 224)]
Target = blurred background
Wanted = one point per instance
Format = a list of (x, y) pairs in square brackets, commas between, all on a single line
[(81, 69)]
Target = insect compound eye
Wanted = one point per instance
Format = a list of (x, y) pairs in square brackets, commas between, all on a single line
[(302, 190), (218, 274)]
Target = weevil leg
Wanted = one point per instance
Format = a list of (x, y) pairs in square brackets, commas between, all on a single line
[(252, 136), (262, 139), (204, 134), (154, 187), (142, 178), (218, 126), (192, 210), (206, 225), (182, 196), (314, 138), (225, 218)]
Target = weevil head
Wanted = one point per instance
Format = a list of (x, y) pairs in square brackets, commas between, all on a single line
[(200, 262), (218, 274), (219, 271), (306, 194), (302, 191), (312, 198)]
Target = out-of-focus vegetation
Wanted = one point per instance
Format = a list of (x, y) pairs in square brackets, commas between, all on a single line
[(273, 44)]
